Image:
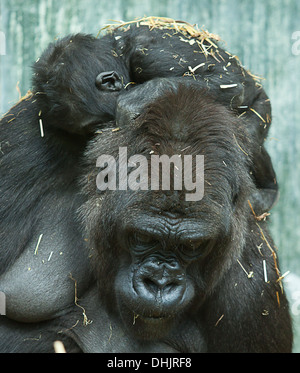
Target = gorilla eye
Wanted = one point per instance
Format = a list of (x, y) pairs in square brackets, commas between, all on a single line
[(191, 252), (142, 241)]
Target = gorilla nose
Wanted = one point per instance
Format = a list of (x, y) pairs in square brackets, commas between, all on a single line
[(162, 294), (160, 283)]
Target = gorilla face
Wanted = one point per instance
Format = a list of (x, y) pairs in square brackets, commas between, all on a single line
[(157, 283)]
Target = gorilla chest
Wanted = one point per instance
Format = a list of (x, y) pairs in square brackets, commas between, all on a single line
[(41, 283)]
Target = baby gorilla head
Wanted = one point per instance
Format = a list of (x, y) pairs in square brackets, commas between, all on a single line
[(77, 80)]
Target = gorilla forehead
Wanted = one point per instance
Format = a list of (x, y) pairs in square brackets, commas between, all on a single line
[(183, 121)]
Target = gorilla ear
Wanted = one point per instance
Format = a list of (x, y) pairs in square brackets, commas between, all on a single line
[(267, 194), (263, 200), (109, 81)]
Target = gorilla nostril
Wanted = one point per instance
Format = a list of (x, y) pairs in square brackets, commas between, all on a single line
[(150, 285)]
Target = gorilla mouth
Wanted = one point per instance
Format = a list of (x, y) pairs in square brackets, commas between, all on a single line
[(153, 319), (156, 322), (151, 326)]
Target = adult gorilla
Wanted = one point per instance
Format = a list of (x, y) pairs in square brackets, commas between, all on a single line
[(190, 274), (194, 261)]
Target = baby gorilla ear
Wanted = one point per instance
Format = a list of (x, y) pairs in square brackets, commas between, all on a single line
[(109, 81)]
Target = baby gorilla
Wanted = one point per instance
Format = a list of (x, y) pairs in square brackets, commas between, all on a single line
[(78, 78)]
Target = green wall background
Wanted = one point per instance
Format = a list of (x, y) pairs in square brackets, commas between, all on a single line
[(263, 33)]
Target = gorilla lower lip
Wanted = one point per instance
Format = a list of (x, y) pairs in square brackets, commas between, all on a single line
[(153, 319)]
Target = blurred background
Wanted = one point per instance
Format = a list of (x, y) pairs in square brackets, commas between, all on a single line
[(264, 34)]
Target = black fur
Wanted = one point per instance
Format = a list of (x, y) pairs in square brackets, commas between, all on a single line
[(47, 186)]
